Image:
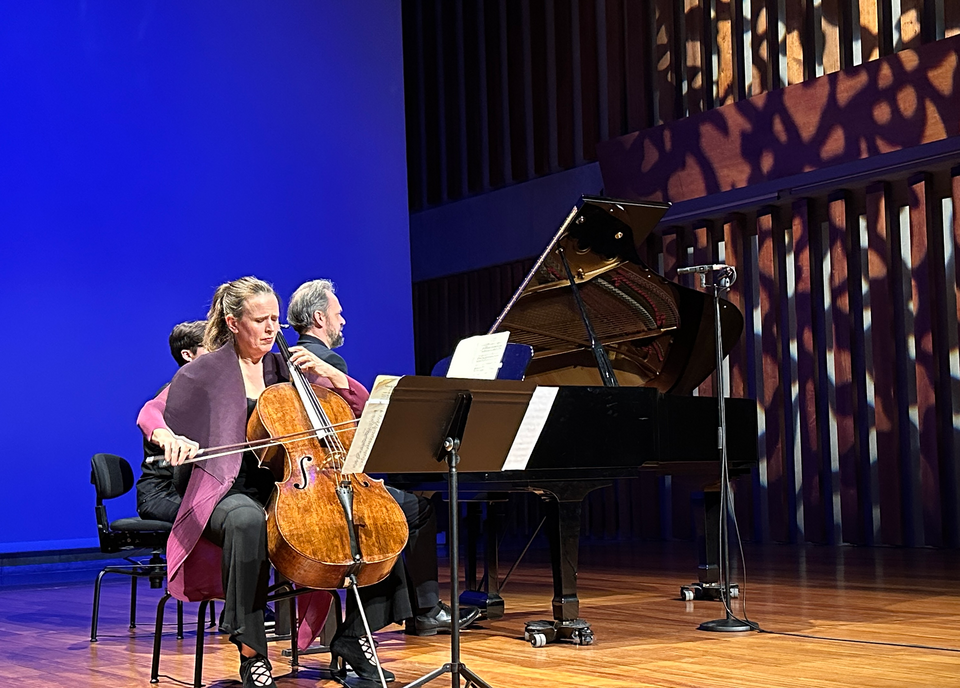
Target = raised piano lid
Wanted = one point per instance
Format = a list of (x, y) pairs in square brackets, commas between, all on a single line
[(656, 333)]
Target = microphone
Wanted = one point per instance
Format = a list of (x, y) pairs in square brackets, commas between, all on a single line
[(701, 269)]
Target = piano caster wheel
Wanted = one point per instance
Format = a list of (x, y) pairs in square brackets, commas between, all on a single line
[(582, 637), (706, 591), (539, 633)]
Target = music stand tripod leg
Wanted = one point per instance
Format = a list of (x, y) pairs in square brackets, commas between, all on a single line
[(449, 453)]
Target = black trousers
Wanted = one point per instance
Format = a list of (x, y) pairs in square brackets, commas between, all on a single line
[(238, 525), (411, 588), (157, 501)]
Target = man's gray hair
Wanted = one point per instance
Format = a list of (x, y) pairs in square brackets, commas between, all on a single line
[(309, 298)]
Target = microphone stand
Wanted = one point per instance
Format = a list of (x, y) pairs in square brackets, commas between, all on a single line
[(726, 275)]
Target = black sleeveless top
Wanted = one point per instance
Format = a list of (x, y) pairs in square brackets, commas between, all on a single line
[(252, 480)]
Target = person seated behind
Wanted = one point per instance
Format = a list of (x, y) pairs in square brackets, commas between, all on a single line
[(317, 316), (157, 498)]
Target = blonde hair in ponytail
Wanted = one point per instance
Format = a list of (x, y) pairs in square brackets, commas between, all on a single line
[(229, 299)]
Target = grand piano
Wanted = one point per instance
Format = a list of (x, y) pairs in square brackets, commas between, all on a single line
[(626, 348)]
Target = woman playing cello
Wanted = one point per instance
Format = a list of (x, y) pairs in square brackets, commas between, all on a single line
[(218, 544)]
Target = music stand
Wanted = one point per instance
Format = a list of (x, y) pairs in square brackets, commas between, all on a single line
[(428, 416)]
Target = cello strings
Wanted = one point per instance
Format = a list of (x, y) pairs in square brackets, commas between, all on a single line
[(307, 395)]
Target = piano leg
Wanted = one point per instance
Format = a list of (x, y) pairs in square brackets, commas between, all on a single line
[(563, 531), (564, 504), (706, 506)]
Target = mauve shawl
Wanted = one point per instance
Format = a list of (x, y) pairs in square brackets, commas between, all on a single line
[(207, 403)]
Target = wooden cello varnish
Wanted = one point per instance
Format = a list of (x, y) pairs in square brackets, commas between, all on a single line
[(308, 537)]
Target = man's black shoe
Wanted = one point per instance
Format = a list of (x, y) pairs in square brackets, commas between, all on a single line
[(439, 619)]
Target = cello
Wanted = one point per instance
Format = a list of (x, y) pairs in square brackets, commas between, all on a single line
[(324, 527)]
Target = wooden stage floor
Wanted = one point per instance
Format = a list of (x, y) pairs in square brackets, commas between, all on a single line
[(841, 617)]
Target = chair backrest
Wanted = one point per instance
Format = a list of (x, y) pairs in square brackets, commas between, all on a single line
[(111, 476)]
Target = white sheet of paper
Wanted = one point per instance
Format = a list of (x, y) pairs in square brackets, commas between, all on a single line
[(531, 426), (370, 421), (478, 358)]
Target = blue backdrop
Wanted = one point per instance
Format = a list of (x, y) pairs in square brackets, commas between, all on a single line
[(150, 151)]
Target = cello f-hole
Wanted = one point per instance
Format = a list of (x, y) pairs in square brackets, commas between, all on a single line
[(303, 472)]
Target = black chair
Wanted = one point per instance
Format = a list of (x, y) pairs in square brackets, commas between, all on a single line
[(280, 593), (112, 477)]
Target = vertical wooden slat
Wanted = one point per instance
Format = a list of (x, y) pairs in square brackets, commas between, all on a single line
[(601, 76), (726, 69), (566, 142), (869, 30), (550, 32), (589, 92), (482, 105), (461, 114), (951, 19), (771, 394), (664, 59), (796, 30), (518, 93), (905, 365), (702, 245), (506, 106), (803, 342), (859, 312), (830, 31), (638, 63), (526, 36), (694, 85), (762, 48), (910, 18), (442, 109), (615, 59), (749, 287), (576, 81), (543, 96), (924, 303), (840, 371), (879, 354), (494, 87), (951, 225), (940, 252)]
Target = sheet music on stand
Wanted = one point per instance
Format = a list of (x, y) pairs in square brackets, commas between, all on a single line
[(479, 358), (370, 421), (507, 419)]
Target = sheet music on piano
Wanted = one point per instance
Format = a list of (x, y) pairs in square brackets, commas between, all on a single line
[(479, 357)]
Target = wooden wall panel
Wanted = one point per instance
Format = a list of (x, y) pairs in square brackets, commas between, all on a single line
[(880, 353), (847, 484), (771, 392), (830, 55), (665, 59), (923, 305), (909, 20), (869, 30), (731, 147), (493, 85), (951, 19), (726, 70), (694, 41)]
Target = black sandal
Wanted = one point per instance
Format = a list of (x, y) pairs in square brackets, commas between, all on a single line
[(255, 672)]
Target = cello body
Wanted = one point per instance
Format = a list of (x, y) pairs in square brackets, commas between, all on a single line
[(308, 531)]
